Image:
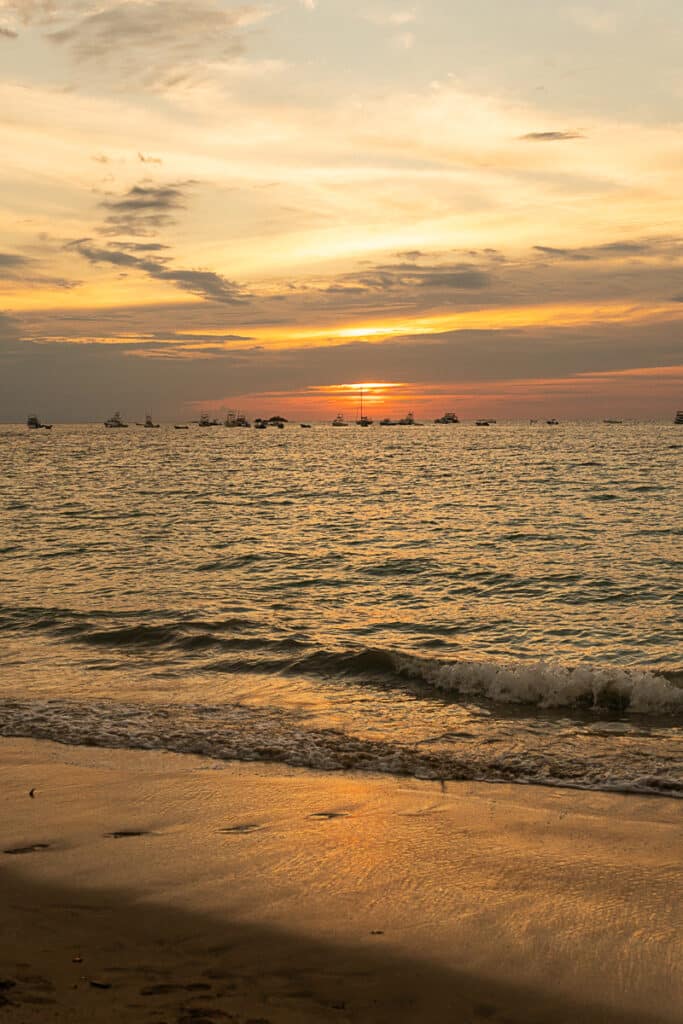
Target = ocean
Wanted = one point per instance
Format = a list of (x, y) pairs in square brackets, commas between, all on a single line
[(449, 602)]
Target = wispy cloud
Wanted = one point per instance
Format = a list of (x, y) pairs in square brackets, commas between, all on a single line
[(143, 209), (27, 272), (550, 136), (669, 248), (153, 43), (206, 283), (411, 275), (10, 261)]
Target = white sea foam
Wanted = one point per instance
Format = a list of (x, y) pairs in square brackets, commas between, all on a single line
[(547, 684), (243, 733)]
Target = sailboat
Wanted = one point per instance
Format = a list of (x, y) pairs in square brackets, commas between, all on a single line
[(363, 421)]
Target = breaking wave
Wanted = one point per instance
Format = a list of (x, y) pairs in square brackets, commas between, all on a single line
[(546, 684), (242, 645)]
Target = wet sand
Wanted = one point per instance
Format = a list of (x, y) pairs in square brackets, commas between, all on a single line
[(139, 886)]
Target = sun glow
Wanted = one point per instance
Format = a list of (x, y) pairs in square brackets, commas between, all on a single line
[(489, 318)]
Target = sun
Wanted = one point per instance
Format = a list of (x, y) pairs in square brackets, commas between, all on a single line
[(372, 392)]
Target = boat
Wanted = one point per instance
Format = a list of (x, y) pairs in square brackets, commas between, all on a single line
[(339, 420), (553, 422), (180, 426), (260, 424), (408, 421), (305, 426), (678, 418), (206, 421), (448, 417), (236, 419), (363, 420), (612, 421), (115, 421), (149, 422), (482, 423), (386, 422), (277, 421), (33, 423)]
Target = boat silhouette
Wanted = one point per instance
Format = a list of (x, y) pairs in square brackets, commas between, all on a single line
[(33, 423)]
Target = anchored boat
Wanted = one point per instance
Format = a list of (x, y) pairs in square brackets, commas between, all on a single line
[(236, 419), (408, 421), (363, 420), (33, 423), (115, 421)]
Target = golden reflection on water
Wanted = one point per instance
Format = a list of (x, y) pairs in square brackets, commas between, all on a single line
[(286, 590)]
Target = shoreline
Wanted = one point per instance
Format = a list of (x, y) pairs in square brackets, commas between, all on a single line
[(302, 896)]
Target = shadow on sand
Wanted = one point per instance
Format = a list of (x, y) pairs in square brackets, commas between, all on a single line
[(92, 954)]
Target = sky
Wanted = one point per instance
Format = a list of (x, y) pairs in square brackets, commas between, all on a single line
[(260, 206)]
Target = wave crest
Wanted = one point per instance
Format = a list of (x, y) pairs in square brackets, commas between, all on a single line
[(547, 684)]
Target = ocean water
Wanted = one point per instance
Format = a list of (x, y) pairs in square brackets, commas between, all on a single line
[(451, 602)]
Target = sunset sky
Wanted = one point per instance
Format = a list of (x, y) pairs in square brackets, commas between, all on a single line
[(210, 205)]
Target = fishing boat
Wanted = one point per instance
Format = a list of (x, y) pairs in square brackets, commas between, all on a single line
[(339, 420), (408, 421), (206, 421), (448, 417), (363, 420), (483, 423), (305, 426), (33, 423), (260, 424), (386, 422), (149, 422), (115, 421), (553, 422), (236, 419), (678, 418)]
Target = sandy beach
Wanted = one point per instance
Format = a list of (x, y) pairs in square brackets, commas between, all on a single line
[(142, 886)]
